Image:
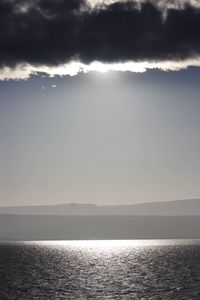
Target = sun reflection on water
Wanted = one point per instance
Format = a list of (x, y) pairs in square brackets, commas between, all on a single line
[(98, 244), (107, 245)]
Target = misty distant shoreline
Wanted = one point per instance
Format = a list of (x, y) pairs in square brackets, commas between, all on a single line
[(157, 220), (165, 208)]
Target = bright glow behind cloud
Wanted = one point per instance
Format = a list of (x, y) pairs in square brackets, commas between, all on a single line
[(73, 68)]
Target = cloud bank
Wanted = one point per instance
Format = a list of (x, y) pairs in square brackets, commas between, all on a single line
[(60, 37)]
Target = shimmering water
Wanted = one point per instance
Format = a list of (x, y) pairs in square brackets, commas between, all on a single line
[(100, 270)]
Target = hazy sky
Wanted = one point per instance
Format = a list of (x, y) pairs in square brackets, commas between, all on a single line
[(116, 137), (101, 138)]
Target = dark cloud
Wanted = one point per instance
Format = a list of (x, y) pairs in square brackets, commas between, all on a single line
[(45, 32), (54, 32)]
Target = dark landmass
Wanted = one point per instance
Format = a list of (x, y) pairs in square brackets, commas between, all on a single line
[(170, 208), (15, 227)]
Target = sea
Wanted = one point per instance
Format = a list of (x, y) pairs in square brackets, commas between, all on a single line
[(100, 269)]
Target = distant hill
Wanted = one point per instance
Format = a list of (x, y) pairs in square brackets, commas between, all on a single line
[(170, 208)]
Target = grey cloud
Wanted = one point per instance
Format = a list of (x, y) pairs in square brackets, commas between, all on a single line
[(55, 32)]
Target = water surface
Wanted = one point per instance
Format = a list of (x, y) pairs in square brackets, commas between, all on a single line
[(154, 269)]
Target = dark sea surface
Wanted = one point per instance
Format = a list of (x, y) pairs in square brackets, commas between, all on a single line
[(153, 269)]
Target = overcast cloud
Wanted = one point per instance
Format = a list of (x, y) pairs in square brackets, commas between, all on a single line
[(65, 37)]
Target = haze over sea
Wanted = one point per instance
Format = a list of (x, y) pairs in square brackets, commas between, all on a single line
[(98, 269)]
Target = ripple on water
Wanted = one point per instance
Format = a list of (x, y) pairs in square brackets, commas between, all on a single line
[(100, 270)]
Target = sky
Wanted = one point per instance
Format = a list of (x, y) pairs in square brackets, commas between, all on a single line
[(99, 104)]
